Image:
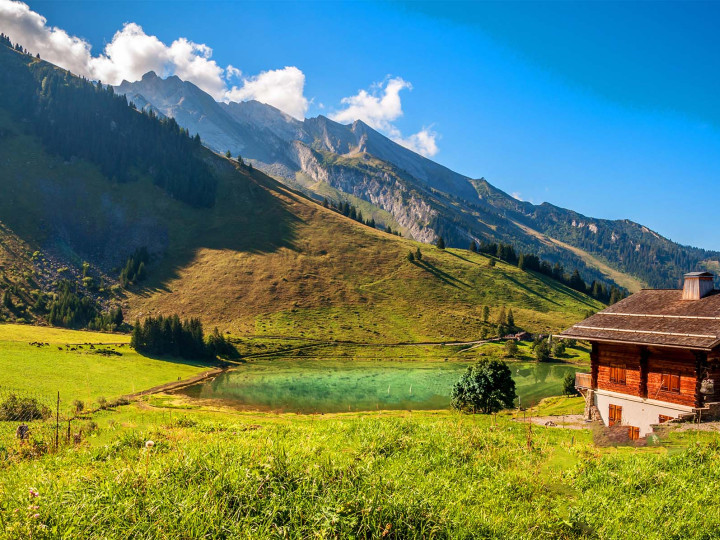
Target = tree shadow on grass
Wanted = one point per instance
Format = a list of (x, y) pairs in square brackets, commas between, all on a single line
[(199, 362), (442, 276)]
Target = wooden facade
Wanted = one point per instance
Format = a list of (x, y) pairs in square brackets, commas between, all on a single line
[(639, 371)]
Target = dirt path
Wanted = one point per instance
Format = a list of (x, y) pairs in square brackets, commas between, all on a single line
[(210, 374)]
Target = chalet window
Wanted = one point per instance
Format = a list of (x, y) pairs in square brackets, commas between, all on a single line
[(662, 418), (617, 373), (615, 416), (633, 433), (670, 382)]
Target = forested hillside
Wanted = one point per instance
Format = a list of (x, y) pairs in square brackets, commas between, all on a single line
[(78, 119)]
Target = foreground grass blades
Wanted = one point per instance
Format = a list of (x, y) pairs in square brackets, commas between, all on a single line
[(420, 475)]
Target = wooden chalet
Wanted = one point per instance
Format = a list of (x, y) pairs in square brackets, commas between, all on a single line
[(655, 357)]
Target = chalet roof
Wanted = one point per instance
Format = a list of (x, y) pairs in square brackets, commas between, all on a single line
[(655, 317)]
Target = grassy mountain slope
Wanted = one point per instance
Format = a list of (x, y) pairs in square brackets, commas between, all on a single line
[(263, 259), (424, 197)]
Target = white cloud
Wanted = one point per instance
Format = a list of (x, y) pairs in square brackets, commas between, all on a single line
[(281, 88), (377, 111), (232, 72), (132, 53), (379, 107), (516, 195), (424, 142)]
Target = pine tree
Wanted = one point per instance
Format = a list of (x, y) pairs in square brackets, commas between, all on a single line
[(410, 256), (521, 262), (473, 246), (228, 154), (7, 300), (486, 314), (502, 317), (418, 254), (511, 319), (440, 243)]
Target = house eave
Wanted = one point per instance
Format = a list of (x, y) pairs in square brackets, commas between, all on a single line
[(567, 335)]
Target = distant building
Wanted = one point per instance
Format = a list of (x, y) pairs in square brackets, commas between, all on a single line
[(655, 357)]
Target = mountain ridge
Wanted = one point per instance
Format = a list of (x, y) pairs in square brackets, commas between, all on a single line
[(429, 200)]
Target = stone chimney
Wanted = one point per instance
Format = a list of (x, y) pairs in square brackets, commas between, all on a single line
[(697, 285)]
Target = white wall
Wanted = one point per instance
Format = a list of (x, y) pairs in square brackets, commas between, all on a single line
[(636, 411)]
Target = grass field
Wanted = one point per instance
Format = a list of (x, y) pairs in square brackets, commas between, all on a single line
[(215, 474), (82, 374)]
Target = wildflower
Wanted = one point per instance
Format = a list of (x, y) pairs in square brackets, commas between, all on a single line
[(149, 444), (36, 516), (33, 507), (34, 492)]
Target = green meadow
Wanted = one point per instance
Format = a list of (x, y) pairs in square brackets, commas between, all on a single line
[(109, 369)]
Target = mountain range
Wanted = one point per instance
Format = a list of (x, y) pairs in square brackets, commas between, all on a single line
[(107, 212), (410, 193)]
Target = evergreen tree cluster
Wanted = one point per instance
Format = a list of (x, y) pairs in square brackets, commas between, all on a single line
[(608, 294), (170, 336), (76, 118), (134, 269), (184, 339), (70, 309)]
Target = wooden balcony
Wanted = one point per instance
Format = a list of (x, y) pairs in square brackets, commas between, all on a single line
[(583, 380)]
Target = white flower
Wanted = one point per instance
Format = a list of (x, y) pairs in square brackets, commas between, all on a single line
[(149, 444)]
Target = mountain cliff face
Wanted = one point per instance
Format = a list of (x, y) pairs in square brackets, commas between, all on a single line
[(427, 199)]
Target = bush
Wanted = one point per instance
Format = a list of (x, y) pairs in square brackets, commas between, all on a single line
[(78, 406), (569, 385), (486, 387), (22, 409), (558, 349), (511, 348), (542, 351)]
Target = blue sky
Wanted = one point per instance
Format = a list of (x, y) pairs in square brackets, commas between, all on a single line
[(610, 109)]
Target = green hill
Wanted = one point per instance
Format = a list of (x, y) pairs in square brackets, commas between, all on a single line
[(258, 258)]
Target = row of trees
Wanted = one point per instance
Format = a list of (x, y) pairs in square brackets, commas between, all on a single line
[(608, 294), (349, 210), (77, 118), (184, 339), (354, 213)]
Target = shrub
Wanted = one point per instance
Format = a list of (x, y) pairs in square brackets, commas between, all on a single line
[(78, 406), (569, 385), (558, 349), (542, 351), (486, 387), (511, 348), (22, 409)]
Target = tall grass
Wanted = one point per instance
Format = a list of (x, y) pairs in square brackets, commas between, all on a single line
[(371, 476)]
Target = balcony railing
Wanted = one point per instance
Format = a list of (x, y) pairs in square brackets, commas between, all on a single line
[(583, 380)]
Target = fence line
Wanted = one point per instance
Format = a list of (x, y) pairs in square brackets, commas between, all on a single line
[(35, 422)]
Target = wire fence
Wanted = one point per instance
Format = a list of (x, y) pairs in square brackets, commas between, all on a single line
[(35, 423)]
